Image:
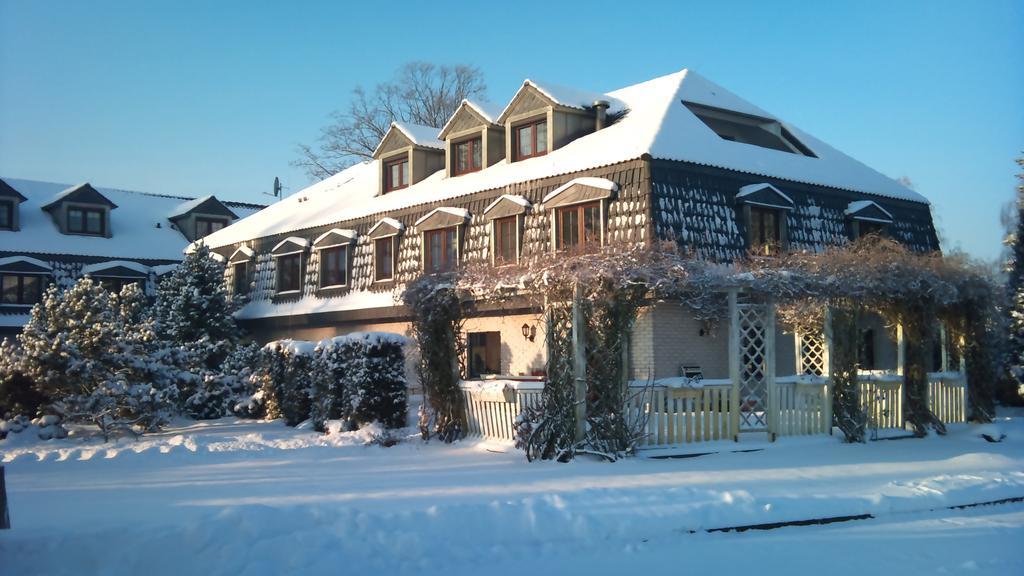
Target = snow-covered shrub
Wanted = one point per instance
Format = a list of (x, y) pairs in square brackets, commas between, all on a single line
[(229, 389), (18, 394), (359, 378), (96, 358), (285, 376), (193, 312), (377, 378)]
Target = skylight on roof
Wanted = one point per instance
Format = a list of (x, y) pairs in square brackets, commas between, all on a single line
[(747, 129)]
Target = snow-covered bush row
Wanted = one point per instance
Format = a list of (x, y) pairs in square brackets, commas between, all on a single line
[(358, 378)]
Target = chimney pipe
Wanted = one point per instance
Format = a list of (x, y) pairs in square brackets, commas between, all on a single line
[(601, 108)]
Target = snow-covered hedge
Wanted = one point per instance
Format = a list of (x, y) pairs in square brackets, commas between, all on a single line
[(357, 378)]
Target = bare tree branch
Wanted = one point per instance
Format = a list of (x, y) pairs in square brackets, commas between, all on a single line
[(420, 93)]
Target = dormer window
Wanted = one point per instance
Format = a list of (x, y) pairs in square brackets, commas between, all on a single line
[(287, 256), (384, 235), (439, 250), (763, 209), (384, 259), (21, 289), (468, 156), (22, 280), (441, 229), (506, 240), (207, 226), (530, 140), (578, 228), (407, 154), (765, 231), (579, 208), (867, 217), (114, 275), (238, 264), (87, 221), (396, 174), (289, 278), (10, 200), (506, 215), (6, 215)]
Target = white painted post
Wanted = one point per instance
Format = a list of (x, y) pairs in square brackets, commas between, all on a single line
[(827, 368), (963, 376), (734, 362), (774, 409), (901, 351), (580, 362)]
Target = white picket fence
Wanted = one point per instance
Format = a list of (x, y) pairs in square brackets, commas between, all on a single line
[(947, 396), (800, 406), (880, 396), (678, 411), (492, 406), (673, 412)]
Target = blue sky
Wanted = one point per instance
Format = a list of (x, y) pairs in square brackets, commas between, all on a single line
[(195, 98)]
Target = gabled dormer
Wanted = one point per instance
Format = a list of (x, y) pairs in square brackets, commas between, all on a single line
[(408, 153), (201, 217), (867, 217), (10, 203), (81, 210), (473, 138), (543, 117)]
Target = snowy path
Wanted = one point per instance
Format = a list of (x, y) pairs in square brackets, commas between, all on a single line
[(257, 498)]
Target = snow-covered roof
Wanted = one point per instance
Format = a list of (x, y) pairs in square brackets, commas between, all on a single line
[(244, 250), (511, 198), (489, 110), (457, 212), (658, 124), (351, 234), (139, 227), (25, 259), (421, 135), (751, 189), (387, 220), (297, 241), (570, 97), (602, 183), (190, 205), (103, 266), (858, 205), (310, 304)]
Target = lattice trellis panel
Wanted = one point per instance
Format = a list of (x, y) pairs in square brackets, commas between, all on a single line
[(811, 358), (753, 367)]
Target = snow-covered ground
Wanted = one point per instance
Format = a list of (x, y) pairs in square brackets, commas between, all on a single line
[(242, 497)]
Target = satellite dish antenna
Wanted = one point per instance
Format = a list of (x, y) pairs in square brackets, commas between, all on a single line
[(277, 188)]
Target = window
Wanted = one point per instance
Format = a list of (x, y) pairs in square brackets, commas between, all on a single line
[(439, 253), (506, 240), (530, 140), (865, 227), (384, 259), (468, 156), (86, 221), (6, 216), (289, 278), (334, 266), (484, 352), (765, 231), (748, 129), (578, 228), (114, 284), (207, 226), (396, 175), (240, 272), (26, 289)]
